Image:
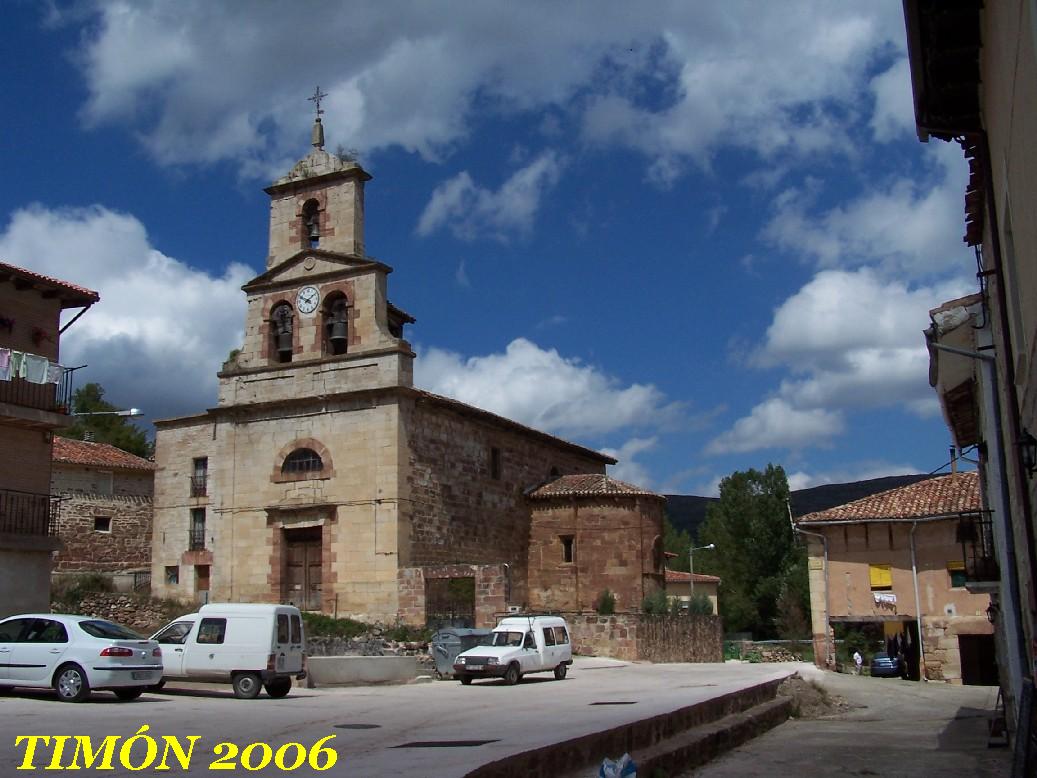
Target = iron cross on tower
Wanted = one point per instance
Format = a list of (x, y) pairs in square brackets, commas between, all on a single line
[(317, 97)]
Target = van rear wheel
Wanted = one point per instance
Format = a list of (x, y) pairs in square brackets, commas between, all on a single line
[(560, 672), (279, 687), (246, 686)]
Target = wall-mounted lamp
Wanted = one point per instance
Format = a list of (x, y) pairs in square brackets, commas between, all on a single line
[(992, 611), (1028, 451)]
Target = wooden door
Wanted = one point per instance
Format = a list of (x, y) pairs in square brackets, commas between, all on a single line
[(303, 573)]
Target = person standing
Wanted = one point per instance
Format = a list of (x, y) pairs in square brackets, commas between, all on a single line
[(858, 660)]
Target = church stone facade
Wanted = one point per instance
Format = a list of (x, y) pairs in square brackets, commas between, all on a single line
[(323, 477)]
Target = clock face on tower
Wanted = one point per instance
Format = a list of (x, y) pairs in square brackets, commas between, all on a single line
[(308, 299)]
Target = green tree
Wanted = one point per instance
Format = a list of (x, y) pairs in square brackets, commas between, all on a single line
[(676, 541), (117, 431), (762, 567)]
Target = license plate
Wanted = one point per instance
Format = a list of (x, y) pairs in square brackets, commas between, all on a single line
[(141, 675), (475, 667)]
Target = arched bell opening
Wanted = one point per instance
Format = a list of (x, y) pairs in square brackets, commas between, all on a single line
[(281, 329), (336, 324), (311, 223)]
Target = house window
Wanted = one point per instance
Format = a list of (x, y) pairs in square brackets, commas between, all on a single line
[(881, 577), (102, 524), (199, 476), (956, 570), (172, 575), (567, 547), (197, 534), (495, 463), (302, 460)]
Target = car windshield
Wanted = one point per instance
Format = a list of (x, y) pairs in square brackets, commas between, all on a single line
[(507, 638), (106, 629)]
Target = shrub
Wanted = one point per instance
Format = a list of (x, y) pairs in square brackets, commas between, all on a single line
[(404, 633), (319, 624), (655, 604), (73, 588), (606, 605), (700, 605)]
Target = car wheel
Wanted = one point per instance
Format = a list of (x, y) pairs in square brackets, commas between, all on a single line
[(157, 687), (466, 680), (279, 687), (129, 693), (71, 684), (560, 672), (512, 675), (246, 686)]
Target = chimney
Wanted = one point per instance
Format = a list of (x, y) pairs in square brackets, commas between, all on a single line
[(954, 460)]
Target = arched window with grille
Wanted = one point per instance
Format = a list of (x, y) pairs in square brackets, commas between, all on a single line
[(302, 460)]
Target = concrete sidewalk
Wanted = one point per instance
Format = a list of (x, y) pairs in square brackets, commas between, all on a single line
[(898, 728)]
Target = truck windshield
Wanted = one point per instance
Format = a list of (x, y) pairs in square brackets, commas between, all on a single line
[(507, 638)]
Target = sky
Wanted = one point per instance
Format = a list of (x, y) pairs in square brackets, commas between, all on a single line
[(701, 237)]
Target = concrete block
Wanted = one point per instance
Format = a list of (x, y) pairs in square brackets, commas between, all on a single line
[(345, 670)]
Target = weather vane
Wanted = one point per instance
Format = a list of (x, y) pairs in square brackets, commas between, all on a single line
[(317, 97)]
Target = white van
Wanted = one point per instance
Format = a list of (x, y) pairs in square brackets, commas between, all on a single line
[(519, 645), (249, 645)]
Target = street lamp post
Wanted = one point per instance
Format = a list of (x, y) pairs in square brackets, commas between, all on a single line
[(691, 568)]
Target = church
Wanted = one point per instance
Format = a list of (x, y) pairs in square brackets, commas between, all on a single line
[(324, 478)]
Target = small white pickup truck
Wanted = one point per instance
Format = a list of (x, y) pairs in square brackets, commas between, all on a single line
[(520, 645)]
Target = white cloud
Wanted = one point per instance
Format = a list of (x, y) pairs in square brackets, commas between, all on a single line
[(471, 211), (628, 468), (676, 83), (894, 106), (161, 329), (907, 227), (774, 423), (854, 340), (542, 389), (862, 471)]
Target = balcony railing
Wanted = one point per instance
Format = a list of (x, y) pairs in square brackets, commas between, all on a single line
[(976, 535), (198, 485), (196, 538), (27, 513), (44, 397)]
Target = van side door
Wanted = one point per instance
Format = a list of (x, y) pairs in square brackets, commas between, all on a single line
[(204, 646), (532, 658), (173, 640)]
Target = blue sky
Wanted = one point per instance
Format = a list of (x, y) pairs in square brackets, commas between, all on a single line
[(702, 237)]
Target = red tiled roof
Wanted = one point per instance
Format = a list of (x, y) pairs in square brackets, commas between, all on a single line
[(73, 296), (948, 495), (680, 576), (81, 452), (590, 485)]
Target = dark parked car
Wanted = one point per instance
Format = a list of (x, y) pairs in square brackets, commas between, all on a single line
[(885, 666)]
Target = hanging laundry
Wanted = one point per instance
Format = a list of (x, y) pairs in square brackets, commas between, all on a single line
[(54, 373), (5, 364), (35, 368), (17, 364)]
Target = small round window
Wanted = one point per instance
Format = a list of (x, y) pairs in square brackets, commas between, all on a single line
[(302, 460)]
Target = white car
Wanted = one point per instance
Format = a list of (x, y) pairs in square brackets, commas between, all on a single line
[(520, 645), (76, 654)]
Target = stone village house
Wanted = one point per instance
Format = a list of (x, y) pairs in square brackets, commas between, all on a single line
[(896, 559), (30, 411), (105, 511), (324, 478)]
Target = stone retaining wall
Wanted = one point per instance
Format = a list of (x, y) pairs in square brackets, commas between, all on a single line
[(635, 637)]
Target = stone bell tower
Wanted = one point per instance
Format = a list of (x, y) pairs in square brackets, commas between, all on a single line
[(319, 321)]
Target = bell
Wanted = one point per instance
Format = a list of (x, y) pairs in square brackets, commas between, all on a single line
[(284, 343), (314, 229), (339, 331)]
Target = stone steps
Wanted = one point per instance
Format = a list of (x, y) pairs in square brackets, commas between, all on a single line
[(671, 742)]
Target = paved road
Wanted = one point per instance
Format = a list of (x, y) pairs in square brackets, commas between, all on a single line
[(375, 724), (901, 728)]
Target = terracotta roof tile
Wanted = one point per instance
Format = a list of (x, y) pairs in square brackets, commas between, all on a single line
[(74, 296), (948, 495), (681, 576), (589, 485), (81, 452)]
